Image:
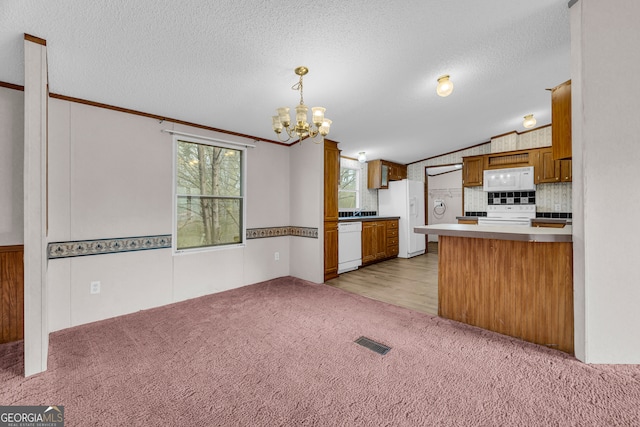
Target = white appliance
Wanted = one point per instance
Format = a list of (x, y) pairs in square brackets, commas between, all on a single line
[(405, 199), (349, 246), (509, 215), (512, 179)]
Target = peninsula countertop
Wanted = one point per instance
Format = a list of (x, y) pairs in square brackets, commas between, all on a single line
[(366, 218), (517, 233)]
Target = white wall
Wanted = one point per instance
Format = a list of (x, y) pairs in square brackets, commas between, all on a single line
[(111, 176), (11, 166), (606, 155), (307, 209)]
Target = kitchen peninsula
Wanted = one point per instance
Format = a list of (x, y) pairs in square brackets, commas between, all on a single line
[(514, 280)]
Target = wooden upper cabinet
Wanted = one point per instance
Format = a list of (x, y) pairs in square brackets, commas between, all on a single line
[(566, 170), (548, 170), (380, 172), (473, 170), (331, 179), (397, 171), (508, 159), (561, 120)]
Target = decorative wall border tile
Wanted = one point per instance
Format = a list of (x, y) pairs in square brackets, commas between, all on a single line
[(304, 232), (78, 248), (260, 233)]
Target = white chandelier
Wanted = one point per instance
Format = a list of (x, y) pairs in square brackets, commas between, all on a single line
[(301, 128)]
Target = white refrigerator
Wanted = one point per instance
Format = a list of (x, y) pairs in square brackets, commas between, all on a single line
[(405, 199)]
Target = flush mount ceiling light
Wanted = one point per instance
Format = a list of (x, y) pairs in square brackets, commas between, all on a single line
[(445, 87), (362, 157), (529, 121), (301, 128)]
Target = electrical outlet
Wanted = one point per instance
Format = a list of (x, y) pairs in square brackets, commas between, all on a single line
[(95, 288), (276, 256), (557, 207)]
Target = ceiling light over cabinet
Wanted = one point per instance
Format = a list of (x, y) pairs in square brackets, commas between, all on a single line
[(529, 121), (445, 86)]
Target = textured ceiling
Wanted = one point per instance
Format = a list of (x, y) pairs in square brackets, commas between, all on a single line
[(373, 64)]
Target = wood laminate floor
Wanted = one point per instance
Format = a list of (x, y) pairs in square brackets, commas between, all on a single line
[(411, 283)]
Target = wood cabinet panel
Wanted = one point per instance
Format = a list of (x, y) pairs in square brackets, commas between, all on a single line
[(331, 179), (510, 159), (566, 170), (549, 170), (330, 249), (561, 121), (380, 172), (369, 242), (379, 240), (11, 293), (468, 221), (473, 170), (521, 289)]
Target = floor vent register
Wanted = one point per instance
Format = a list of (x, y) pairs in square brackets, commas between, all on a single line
[(372, 345)]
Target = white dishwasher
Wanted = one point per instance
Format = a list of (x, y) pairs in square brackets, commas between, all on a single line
[(349, 246)]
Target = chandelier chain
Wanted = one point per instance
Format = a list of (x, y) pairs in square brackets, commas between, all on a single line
[(298, 87)]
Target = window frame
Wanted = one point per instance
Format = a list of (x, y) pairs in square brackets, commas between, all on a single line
[(356, 191), (243, 194)]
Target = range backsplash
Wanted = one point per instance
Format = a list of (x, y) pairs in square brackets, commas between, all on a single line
[(549, 198)]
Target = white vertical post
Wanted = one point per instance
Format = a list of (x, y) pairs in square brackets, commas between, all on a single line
[(36, 332)]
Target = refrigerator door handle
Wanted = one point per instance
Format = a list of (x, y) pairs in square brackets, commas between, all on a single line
[(413, 207)]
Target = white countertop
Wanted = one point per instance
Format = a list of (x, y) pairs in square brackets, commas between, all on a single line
[(520, 233)]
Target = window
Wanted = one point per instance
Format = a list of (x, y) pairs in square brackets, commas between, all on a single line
[(349, 189), (209, 195)]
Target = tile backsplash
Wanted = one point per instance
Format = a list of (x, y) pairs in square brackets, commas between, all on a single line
[(512, 198), (554, 198)]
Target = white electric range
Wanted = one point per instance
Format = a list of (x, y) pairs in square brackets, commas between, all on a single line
[(508, 215)]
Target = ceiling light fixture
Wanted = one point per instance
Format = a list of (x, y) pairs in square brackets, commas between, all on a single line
[(362, 157), (445, 86), (301, 128), (529, 121)]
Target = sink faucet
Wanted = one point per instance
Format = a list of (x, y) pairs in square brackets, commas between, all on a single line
[(357, 212)]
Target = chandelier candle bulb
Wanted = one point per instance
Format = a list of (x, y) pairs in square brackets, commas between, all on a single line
[(318, 115), (324, 129), (283, 114), (301, 114)]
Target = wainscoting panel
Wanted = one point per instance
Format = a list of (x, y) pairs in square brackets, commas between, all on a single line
[(11, 293)]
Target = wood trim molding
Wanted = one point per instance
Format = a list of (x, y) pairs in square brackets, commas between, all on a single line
[(35, 39), (482, 143), (12, 248), (450, 152), (148, 115), (12, 86), (160, 118)]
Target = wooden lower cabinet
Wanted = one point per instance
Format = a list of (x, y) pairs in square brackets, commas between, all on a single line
[(468, 221), (11, 293), (392, 239), (379, 240), (330, 249), (516, 288)]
